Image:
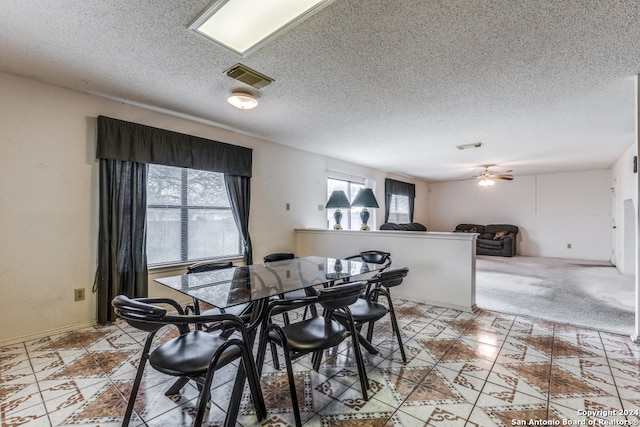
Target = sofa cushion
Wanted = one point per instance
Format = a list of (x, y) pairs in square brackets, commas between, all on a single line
[(469, 228), (494, 228), (411, 226), (500, 234), (489, 243)]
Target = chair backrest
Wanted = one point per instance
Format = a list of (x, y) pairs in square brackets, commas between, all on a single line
[(208, 266), (393, 277), (279, 256), (140, 315), (340, 296), (376, 257)]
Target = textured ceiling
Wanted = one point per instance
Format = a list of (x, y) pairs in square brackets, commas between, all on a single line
[(547, 86)]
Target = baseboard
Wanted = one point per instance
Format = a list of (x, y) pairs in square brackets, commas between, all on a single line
[(470, 309), (48, 332)]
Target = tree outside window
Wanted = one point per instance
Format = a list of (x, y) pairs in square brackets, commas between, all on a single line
[(189, 217)]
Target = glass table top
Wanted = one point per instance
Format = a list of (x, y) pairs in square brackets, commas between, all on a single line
[(237, 285)]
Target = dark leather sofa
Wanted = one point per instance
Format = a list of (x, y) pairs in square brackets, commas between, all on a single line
[(493, 239), (410, 226)]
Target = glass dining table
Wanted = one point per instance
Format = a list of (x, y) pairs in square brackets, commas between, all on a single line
[(257, 283), (254, 285)]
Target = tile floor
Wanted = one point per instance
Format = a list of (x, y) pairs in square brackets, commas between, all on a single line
[(463, 369)]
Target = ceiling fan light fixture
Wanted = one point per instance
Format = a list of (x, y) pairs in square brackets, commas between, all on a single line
[(486, 182), (470, 146), (243, 100)]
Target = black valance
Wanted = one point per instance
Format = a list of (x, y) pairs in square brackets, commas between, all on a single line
[(121, 140), (399, 188)]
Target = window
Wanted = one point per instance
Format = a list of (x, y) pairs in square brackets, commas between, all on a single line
[(399, 209), (189, 217), (351, 217), (399, 200)]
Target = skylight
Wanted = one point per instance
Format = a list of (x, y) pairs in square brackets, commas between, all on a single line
[(245, 25)]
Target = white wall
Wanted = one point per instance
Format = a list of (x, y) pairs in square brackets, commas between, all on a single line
[(551, 210), (442, 266), (48, 198), (624, 182)]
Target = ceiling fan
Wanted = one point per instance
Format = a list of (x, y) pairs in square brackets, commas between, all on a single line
[(487, 177)]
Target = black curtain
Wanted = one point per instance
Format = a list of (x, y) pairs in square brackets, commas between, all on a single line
[(122, 249), (399, 188), (133, 142), (239, 191), (124, 149)]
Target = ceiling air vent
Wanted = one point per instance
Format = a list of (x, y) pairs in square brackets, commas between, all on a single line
[(248, 76)]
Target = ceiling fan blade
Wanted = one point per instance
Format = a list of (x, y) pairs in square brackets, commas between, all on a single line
[(507, 177)]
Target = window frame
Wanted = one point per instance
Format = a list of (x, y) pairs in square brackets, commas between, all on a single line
[(394, 212), (347, 223), (184, 208)]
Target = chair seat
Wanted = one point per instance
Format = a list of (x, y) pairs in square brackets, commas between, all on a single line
[(236, 310), (364, 311), (171, 358), (240, 311), (317, 333)]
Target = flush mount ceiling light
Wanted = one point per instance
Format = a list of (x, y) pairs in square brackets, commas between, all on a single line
[(243, 100), (244, 25)]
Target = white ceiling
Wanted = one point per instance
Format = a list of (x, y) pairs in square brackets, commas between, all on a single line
[(547, 86)]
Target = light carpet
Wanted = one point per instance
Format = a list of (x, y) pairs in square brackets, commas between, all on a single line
[(591, 294)]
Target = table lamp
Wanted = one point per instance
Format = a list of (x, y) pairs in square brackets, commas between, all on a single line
[(336, 201), (366, 199)]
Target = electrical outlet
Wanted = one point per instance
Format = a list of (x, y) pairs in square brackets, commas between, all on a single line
[(78, 294), (568, 245), (320, 207)]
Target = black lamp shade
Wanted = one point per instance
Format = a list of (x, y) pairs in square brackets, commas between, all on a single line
[(338, 200), (365, 198)]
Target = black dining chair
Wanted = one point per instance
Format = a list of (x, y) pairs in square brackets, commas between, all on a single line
[(283, 310), (278, 256), (382, 259), (241, 310), (367, 309), (300, 293), (193, 354), (314, 335), (204, 266)]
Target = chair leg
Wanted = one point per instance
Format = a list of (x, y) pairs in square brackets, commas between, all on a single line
[(396, 328), (137, 381), (316, 360), (285, 318), (313, 310), (370, 331), (177, 386), (292, 386), (203, 399), (274, 355), (254, 384), (236, 398), (362, 372), (262, 350)]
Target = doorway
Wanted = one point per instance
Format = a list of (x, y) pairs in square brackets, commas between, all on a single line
[(629, 238)]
